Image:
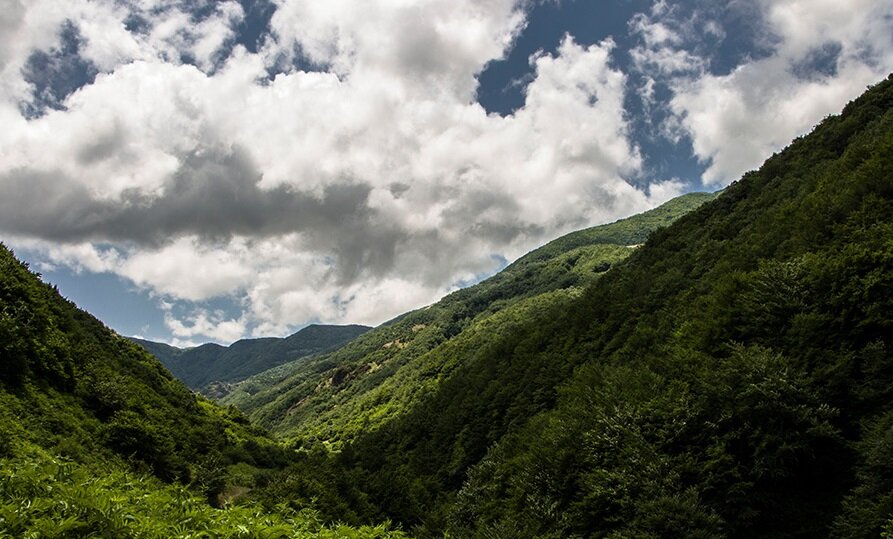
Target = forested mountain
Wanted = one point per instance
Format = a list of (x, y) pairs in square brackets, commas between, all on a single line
[(97, 438), (731, 377), (387, 371), (211, 368)]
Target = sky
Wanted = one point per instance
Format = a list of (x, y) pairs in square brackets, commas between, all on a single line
[(193, 170)]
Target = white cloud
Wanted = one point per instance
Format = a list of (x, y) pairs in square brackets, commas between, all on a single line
[(426, 47), (188, 269), (174, 33), (77, 256), (204, 324), (861, 27), (11, 17), (736, 119), (347, 195)]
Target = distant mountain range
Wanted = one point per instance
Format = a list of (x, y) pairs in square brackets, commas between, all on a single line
[(210, 368)]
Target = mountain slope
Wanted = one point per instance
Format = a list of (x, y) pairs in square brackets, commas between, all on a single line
[(77, 387), (218, 366), (731, 378), (382, 374), (97, 438)]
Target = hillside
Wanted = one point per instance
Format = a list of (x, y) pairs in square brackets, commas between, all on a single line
[(384, 373), (97, 439), (730, 378), (211, 368)]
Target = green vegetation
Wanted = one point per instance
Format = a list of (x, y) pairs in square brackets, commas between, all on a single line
[(43, 497), (731, 378), (76, 388), (97, 439), (213, 369), (386, 372)]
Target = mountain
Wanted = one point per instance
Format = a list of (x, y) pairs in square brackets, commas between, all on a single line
[(729, 378), (97, 439), (383, 373), (211, 368)]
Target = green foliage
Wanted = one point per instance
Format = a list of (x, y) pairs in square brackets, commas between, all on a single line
[(868, 509), (731, 377), (78, 389), (30, 342), (41, 497), (691, 448), (129, 434), (383, 374)]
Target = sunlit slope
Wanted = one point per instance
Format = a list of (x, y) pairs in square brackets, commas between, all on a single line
[(74, 387), (381, 374)]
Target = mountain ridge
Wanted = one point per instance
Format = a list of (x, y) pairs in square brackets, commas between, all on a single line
[(367, 379), (211, 368)]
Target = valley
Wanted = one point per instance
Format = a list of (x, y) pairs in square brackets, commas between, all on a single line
[(719, 366)]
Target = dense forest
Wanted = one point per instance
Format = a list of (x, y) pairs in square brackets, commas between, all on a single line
[(729, 377)]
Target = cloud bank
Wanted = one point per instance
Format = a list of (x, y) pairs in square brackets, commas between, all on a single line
[(350, 193), (344, 171)]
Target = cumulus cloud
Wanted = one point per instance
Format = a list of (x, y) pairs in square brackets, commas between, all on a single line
[(736, 120), (11, 18), (814, 57), (210, 195), (202, 324), (350, 193), (427, 47)]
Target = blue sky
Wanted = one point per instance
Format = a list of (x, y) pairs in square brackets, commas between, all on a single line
[(193, 170)]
